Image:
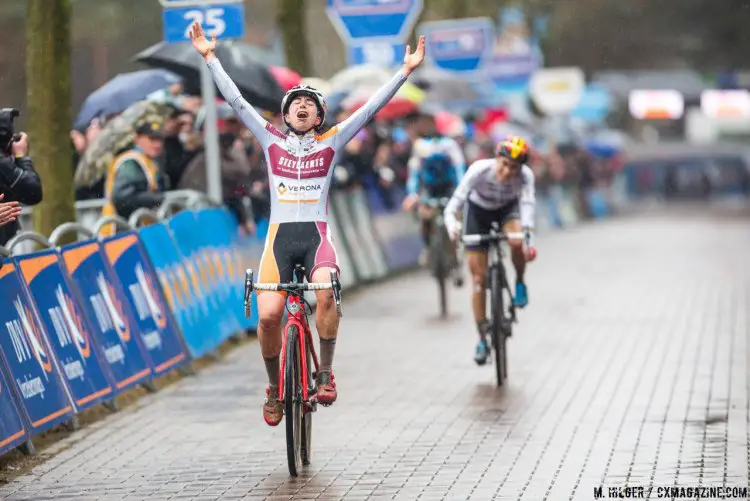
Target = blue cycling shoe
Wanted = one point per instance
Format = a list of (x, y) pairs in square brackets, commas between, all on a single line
[(521, 298), (483, 351)]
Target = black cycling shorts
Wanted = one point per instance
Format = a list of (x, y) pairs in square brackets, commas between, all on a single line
[(478, 221), (288, 244)]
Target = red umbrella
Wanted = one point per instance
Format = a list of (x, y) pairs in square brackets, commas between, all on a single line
[(285, 77), (396, 108), (405, 101)]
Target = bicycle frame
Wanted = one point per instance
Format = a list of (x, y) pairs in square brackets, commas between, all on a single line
[(298, 316)]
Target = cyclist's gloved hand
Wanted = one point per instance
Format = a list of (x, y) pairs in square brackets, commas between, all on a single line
[(530, 250), (454, 231)]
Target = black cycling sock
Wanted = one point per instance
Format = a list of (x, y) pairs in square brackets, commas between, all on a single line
[(327, 347), (272, 368), (482, 328)]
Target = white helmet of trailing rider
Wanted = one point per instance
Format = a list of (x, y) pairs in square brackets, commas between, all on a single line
[(307, 91)]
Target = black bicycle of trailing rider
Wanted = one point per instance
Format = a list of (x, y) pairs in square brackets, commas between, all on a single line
[(502, 312), (443, 261)]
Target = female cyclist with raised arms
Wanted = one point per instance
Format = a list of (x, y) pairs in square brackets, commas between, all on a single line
[(300, 167)]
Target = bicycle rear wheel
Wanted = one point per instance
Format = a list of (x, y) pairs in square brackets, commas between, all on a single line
[(498, 319), (306, 448), (293, 401)]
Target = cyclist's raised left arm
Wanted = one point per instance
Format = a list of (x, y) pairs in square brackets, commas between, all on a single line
[(527, 202), (346, 130)]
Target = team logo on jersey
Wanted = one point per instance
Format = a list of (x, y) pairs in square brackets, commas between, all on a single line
[(281, 189), (312, 165)]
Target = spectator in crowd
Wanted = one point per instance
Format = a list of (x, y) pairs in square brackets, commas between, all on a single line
[(19, 183), (235, 176), (181, 144), (135, 179)]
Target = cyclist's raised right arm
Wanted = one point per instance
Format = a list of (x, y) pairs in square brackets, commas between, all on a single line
[(261, 129), (468, 181)]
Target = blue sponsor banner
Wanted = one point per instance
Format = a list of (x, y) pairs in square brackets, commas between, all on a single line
[(459, 45), (230, 285), (103, 304), (510, 74), (79, 358), (29, 359), (183, 227), (594, 105), (12, 430), (159, 334), (175, 282), (388, 20), (207, 246)]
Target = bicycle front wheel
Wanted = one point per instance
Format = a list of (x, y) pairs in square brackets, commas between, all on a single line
[(498, 334), (293, 400)]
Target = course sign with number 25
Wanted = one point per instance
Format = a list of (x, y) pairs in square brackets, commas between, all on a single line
[(226, 21)]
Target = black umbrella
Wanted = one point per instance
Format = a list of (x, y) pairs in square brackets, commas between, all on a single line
[(245, 64)]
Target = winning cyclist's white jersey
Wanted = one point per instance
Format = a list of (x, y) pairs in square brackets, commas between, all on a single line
[(300, 169), (481, 187)]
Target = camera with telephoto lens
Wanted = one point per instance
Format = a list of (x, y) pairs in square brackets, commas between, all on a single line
[(7, 134)]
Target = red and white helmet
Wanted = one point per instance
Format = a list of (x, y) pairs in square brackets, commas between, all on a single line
[(307, 91)]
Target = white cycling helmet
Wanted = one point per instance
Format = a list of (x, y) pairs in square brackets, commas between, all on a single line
[(307, 91)]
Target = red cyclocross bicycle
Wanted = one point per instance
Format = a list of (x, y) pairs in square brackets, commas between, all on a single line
[(299, 363)]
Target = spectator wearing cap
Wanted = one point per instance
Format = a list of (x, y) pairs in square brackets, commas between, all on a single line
[(180, 145), (134, 179)]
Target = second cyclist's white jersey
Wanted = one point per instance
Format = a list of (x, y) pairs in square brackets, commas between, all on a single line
[(481, 186)]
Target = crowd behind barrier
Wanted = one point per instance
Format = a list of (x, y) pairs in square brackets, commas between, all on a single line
[(83, 322)]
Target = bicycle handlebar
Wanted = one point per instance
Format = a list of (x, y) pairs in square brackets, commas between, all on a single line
[(334, 285), (434, 202), (492, 237), (292, 287)]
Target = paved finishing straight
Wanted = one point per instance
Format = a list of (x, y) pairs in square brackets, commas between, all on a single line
[(630, 367)]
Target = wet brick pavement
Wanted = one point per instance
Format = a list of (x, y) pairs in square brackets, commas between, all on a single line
[(630, 367)]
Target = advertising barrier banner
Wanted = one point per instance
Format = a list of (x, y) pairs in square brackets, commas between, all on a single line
[(397, 231), (139, 281), (363, 266), (213, 244), (12, 430), (31, 367), (176, 284), (103, 304), (357, 206), (348, 275), (79, 357), (183, 227)]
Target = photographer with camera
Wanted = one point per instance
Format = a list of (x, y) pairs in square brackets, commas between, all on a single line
[(19, 182)]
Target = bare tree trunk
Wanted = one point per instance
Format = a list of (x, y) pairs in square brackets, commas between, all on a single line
[(290, 18), (48, 100), (449, 9)]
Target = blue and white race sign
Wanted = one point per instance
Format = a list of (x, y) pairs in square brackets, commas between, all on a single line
[(225, 19), (385, 54), (459, 45), (360, 20)]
